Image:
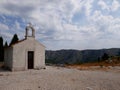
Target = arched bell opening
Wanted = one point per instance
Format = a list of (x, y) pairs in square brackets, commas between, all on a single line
[(30, 31)]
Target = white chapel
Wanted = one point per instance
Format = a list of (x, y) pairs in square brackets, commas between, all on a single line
[(25, 54)]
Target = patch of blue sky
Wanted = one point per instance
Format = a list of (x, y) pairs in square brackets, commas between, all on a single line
[(48, 35), (21, 22), (115, 14), (2, 19), (106, 12), (98, 8), (80, 18), (108, 2), (10, 20)]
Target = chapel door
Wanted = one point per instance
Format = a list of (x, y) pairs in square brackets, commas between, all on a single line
[(30, 59)]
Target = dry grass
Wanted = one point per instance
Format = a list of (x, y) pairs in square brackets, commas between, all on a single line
[(104, 65)]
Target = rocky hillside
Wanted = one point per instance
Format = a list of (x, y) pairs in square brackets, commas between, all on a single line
[(78, 56)]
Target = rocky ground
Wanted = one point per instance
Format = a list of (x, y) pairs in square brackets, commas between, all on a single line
[(60, 78)]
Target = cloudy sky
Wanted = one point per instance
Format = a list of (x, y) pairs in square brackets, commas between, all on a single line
[(64, 24)]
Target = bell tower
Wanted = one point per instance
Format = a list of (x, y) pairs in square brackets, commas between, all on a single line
[(30, 31)]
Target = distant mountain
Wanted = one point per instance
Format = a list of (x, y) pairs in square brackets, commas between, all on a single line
[(78, 56)]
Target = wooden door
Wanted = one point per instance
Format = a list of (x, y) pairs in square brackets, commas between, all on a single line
[(30, 59)]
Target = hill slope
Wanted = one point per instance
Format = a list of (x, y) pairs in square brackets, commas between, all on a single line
[(78, 56)]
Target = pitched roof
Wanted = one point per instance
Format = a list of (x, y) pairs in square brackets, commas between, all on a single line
[(22, 41), (18, 42)]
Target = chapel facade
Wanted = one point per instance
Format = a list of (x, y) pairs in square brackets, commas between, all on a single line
[(25, 54)]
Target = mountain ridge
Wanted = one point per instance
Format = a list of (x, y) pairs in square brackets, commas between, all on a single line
[(72, 56)]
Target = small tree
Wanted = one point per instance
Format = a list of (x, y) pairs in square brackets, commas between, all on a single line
[(118, 53), (6, 44), (14, 39), (1, 49), (98, 59), (105, 56)]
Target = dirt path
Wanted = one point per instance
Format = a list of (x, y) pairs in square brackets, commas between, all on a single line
[(56, 78)]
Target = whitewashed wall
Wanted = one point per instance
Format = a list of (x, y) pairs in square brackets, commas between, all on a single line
[(20, 50)]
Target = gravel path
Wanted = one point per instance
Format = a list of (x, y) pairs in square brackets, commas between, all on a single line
[(57, 78)]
